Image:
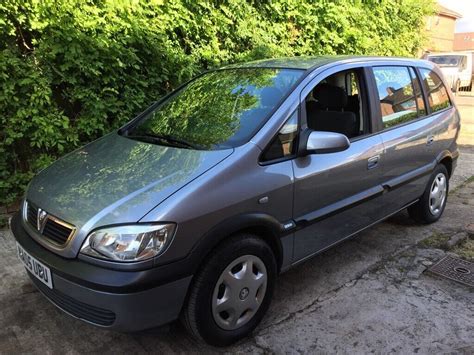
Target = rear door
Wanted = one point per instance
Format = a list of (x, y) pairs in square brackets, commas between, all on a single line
[(408, 134)]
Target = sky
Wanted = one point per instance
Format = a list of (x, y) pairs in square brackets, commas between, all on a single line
[(466, 9)]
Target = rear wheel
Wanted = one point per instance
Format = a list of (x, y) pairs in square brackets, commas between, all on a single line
[(232, 291), (431, 205), (457, 86)]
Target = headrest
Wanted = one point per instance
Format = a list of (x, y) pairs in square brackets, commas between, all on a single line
[(269, 96), (330, 96)]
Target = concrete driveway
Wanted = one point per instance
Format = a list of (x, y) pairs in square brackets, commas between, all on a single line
[(369, 294), (465, 105)]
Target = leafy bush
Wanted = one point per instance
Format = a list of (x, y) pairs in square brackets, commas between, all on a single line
[(71, 71)]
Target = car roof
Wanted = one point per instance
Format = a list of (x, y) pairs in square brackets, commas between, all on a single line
[(440, 54), (312, 62)]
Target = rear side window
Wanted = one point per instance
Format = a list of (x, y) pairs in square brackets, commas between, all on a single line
[(438, 98), (399, 95)]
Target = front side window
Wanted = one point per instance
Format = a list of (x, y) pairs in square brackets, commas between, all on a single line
[(337, 104), (217, 110), (438, 98), (398, 101), (284, 144)]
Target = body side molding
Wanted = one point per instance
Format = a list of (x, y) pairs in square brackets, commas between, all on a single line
[(362, 197), (410, 176)]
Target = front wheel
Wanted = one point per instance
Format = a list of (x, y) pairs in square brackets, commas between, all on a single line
[(431, 205), (232, 291)]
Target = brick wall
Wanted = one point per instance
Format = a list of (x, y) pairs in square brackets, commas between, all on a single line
[(464, 41), (441, 33)]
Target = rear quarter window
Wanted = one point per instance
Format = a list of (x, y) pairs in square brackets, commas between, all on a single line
[(437, 93)]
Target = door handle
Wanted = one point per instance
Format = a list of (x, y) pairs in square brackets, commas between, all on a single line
[(373, 162), (430, 140)]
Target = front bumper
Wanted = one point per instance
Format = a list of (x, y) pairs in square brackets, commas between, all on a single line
[(125, 301)]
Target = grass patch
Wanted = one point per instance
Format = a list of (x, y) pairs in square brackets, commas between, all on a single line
[(465, 183), (437, 240), (468, 181), (465, 250)]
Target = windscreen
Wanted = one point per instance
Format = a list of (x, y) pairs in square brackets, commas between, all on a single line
[(446, 60), (220, 109)]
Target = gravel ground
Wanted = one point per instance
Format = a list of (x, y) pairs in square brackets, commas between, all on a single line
[(369, 294)]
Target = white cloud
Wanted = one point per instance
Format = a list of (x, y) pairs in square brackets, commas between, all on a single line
[(466, 9)]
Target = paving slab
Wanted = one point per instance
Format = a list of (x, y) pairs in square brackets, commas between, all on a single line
[(465, 105)]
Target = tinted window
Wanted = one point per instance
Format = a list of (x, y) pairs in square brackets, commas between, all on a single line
[(398, 101), (437, 94), (284, 144), (219, 109)]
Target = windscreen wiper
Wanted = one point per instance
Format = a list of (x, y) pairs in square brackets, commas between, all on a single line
[(168, 140)]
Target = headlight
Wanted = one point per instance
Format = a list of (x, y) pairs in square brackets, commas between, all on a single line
[(129, 243)]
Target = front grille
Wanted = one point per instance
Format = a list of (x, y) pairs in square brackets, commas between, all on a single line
[(74, 307), (52, 229), (32, 215), (56, 232)]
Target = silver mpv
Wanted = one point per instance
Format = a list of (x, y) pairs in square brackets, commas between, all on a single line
[(193, 208)]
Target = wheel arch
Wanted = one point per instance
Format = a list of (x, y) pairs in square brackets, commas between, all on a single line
[(446, 158), (262, 225)]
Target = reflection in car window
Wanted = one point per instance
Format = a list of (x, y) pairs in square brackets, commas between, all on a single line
[(437, 94), (284, 144), (219, 109), (420, 103), (397, 99)]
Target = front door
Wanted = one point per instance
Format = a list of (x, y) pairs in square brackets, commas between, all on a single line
[(337, 194)]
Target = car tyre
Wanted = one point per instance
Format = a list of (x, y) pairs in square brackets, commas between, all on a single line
[(224, 281), (432, 203), (457, 86)]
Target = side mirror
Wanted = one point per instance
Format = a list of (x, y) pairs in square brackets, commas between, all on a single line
[(320, 142)]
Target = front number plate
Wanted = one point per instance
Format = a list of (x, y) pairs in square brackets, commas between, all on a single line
[(39, 270)]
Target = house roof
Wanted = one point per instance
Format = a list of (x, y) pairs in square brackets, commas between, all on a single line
[(448, 12), (464, 34)]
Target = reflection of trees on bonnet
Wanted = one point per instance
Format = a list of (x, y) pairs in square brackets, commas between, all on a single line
[(219, 109), (100, 173), (212, 108)]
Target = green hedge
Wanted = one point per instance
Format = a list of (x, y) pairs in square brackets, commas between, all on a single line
[(72, 70)]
